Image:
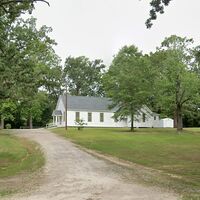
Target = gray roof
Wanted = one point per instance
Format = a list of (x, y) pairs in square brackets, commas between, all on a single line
[(57, 113), (86, 103)]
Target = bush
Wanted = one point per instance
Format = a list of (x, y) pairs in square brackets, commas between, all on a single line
[(8, 126), (80, 124)]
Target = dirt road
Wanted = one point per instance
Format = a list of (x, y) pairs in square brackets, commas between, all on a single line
[(72, 174)]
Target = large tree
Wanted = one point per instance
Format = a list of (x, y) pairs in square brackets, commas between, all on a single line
[(27, 60), (84, 77), (10, 10), (28, 63), (128, 83), (177, 85)]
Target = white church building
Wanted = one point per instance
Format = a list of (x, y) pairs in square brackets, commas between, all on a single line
[(95, 112)]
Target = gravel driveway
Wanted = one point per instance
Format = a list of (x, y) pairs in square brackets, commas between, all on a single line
[(72, 174)]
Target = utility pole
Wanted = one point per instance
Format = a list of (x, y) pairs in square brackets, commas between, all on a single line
[(66, 108)]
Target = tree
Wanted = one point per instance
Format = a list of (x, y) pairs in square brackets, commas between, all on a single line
[(34, 110), (14, 8), (157, 7), (7, 110), (52, 77), (128, 83), (177, 85), (83, 77), (27, 51), (10, 10), (27, 62)]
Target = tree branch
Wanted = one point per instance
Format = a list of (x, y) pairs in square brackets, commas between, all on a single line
[(182, 95), (4, 9), (157, 6), (22, 1), (185, 100)]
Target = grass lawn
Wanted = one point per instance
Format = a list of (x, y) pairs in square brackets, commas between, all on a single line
[(162, 149), (18, 155)]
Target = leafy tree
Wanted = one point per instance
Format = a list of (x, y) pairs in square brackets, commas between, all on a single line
[(52, 78), (28, 62), (10, 10), (157, 7), (7, 110), (177, 85), (83, 77), (25, 55), (34, 110), (191, 117), (37, 112), (14, 8), (127, 83)]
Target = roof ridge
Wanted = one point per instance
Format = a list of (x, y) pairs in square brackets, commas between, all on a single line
[(85, 96), (86, 102)]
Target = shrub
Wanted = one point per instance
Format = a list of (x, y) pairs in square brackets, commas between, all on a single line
[(8, 126), (80, 124)]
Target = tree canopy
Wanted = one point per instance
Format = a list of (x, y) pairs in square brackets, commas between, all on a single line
[(127, 83), (168, 81), (157, 6), (84, 77), (28, 63), (176, 83), (14, 8)]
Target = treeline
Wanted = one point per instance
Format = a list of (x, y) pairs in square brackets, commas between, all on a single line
[(32, 78), (31, 75), (30, 71), (167, 81)]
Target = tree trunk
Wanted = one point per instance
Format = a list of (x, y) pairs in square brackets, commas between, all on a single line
[(30, 122), (175, 119), (77, 91), (179, 118), (132, 121), (2, 123), (65, 113)]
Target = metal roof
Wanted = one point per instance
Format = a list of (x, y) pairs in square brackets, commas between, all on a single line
[(87, 103)]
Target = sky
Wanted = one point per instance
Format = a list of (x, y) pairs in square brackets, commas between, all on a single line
[(97, 29)]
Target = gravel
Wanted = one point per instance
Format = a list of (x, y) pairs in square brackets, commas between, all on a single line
[(73, 174)]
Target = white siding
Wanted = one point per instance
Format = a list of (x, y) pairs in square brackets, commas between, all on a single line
[(108, 120), (167, 123), (156, 121), (149, 121)]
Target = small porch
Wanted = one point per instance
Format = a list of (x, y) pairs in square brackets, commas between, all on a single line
[(57, 117)]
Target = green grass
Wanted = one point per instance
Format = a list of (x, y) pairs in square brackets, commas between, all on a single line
[(17, 155), (162, 149), (6, 192)]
